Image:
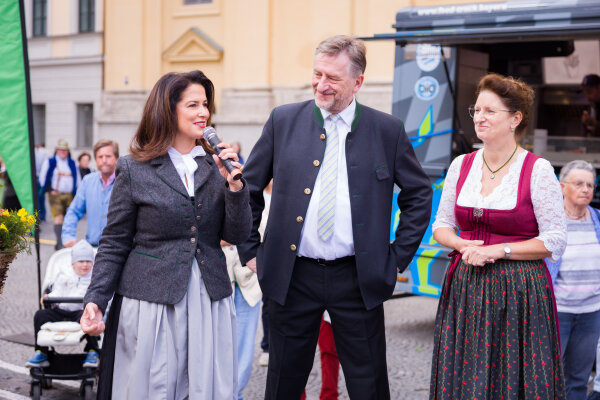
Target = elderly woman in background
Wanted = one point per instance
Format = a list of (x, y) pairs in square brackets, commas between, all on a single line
[(576, 277), (495, 331)]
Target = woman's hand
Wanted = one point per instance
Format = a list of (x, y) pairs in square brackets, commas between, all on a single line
[(481, 255), (228, 153), (447, 237), (91, 320), (464, 243)]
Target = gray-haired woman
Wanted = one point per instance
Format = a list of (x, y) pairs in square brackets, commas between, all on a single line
[(576, 277)]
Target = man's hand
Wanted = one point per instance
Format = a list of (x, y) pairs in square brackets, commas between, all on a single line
[(588, 120), (91, 320), (252, 264), (70, 243)]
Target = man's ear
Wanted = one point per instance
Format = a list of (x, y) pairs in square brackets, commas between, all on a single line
[(358, 81)]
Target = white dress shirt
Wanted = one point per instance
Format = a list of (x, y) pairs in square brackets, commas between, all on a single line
[(341, 243)]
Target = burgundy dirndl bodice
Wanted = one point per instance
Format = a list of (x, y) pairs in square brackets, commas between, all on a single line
[(498, 226), (496, 335)]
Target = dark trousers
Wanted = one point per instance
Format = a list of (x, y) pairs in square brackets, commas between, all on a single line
[(264, 343), (330, 364), (57, 315), (578, 340), (41, 202), (359, 333)]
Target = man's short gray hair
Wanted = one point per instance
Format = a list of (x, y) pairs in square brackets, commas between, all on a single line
[(576, 164), (356, 50)]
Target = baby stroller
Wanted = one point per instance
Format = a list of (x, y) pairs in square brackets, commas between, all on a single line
[(67, 366)]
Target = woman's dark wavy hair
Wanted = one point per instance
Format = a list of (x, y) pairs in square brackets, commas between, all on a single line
[(158, 127)]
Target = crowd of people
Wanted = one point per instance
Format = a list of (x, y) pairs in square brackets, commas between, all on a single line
[(189, 256)]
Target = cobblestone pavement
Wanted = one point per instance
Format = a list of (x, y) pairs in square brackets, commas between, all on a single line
[(409, 327)]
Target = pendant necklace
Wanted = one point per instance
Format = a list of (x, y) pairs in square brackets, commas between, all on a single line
[(493, 173), (575, 216)]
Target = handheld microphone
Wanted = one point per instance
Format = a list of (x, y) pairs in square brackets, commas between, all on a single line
[(210, 135)]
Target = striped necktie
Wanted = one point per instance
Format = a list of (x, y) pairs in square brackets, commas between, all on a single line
[(326, 212)]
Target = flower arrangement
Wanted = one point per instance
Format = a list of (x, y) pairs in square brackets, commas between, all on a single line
[(15, 226)]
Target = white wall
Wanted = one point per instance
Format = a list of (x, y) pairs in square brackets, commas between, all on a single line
[(61, 87)]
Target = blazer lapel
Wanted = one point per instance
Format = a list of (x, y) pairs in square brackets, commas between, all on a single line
[(167, 173), (202, 173)]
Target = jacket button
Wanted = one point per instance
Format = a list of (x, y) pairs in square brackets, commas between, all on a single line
[(293, 247), (199, 205), (307, 191), (316, 163), (198, 217), (299, 219), (322, 137), (193, 229), (197, 251), (203, 262), (193, 240)]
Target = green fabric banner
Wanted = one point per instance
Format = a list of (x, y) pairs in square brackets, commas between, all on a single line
[(14, 120)]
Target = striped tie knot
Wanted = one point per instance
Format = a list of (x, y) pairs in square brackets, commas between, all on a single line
[(326, 211)]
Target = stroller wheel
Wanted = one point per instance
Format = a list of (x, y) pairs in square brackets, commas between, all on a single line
[(36, 390), (47, 383), (87, 391)]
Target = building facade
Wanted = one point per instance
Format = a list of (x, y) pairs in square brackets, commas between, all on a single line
[(257, 52), (65, 43)]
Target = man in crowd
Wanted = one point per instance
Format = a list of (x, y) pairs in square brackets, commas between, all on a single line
[(59, 176), (326, 246), (93, 196), (591, 89)]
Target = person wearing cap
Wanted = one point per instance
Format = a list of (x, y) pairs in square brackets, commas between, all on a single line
[(59, 176), (590, 86), (69, 282)]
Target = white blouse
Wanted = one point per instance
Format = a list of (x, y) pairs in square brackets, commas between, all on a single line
[(546, 197), (186, 166)]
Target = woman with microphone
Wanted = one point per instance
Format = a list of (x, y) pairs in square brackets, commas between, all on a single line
[(171, 327)]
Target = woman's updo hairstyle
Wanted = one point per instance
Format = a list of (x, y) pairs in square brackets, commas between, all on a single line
[(515, 94)]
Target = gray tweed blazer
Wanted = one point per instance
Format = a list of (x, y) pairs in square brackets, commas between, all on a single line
[(154, 231)]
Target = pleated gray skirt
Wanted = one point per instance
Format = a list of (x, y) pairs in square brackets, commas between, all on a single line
[(182, 351)]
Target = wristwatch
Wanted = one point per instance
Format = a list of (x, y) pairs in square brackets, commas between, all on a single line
[(506, 251)]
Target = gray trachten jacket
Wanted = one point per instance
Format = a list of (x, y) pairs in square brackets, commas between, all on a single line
[(154, 231)]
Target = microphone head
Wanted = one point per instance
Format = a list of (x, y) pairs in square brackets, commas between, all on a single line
[(209, 132)]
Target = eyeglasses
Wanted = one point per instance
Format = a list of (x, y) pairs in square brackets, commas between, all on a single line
[(581, 184), (486, 112)]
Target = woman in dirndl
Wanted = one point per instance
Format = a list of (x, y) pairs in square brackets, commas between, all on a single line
[(171, 330), (496, 333)]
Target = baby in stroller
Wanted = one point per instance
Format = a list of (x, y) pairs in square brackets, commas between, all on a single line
[(68, 282)]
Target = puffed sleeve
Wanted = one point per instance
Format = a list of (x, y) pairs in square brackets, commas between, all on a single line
[(445, 213), (547, 200)]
